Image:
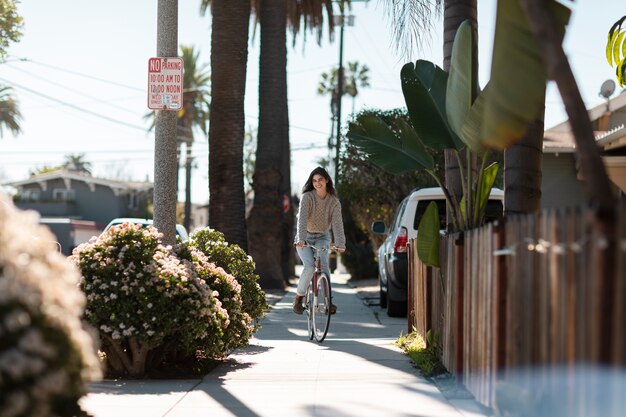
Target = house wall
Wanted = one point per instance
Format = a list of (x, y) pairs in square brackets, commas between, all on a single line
[(560, 186), (100, 205)]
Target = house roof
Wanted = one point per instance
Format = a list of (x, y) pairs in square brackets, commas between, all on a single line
[(86, 178), (559, 138)]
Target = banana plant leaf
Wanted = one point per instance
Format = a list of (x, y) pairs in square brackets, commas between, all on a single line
[(471, 131), (395, 153), (424, 89), (518, 75), (428, 236), (616, 50), (462, 83), (484, 188)]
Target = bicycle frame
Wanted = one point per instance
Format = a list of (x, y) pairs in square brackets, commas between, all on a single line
[(318, 303)]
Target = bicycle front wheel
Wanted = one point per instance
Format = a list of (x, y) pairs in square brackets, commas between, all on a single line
[(321, 308), (309, 310)]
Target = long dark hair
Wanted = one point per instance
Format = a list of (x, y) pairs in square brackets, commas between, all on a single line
[(308, 185)]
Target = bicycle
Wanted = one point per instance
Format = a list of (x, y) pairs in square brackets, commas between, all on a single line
[(317, 300)]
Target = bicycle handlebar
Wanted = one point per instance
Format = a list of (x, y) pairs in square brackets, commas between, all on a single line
[(321, 249)]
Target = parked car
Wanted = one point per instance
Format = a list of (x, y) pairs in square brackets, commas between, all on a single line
[(392, 253), (180, 229)]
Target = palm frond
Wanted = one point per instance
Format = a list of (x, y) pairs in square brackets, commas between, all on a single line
[(412, 22)]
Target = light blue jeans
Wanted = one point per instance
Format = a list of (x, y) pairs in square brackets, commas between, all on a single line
[(306, 254)]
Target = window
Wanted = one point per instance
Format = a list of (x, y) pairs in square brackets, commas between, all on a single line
[(63, 194), (132, 201), (29, 195), (421, 209)]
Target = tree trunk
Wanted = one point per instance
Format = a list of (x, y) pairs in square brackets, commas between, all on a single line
[(287, 252), (186, 135), (139, 352), (188, 167), (596, 182), (522, 171), (455, 13), (229, 57), (265, 221)]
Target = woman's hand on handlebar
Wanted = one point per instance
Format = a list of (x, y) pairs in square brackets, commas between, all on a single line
[(341, 249), (300, 244)]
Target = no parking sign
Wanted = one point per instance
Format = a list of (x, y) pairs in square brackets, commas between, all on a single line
[(165, 83)]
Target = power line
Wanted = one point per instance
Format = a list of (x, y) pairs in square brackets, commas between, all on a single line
[(65, 87), (110, 119), (80, 74), (294, 127)]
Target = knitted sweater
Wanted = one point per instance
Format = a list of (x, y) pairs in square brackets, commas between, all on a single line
[(318, 215)]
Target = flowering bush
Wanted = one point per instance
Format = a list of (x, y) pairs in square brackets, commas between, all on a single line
[(238, 329), (235, 261), (142, 297), (46, 354)]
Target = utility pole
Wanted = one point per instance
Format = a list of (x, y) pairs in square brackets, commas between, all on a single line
[(341, 20), (165, 163), (339, 96)]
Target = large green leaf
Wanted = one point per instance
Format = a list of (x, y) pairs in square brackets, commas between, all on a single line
[(484, 188), (518, 75), (428, 236), (423, 89), (395, 154), (461, 89), (471, 131), (412, 145)]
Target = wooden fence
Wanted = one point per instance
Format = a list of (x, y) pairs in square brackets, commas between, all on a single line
[(536, 293)]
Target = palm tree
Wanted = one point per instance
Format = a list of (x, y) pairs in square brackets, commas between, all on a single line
[(271, 181), (77, 163), (195, 113), (10, 115), (266, 214), (356, 76), (229, 58)]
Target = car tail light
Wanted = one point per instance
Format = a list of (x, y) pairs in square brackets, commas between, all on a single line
[(400, 244)]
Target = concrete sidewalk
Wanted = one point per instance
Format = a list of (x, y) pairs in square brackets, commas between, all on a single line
[(356, 372)]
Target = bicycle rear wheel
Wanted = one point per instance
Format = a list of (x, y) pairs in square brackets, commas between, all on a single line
[(321, 308), (308, 308)]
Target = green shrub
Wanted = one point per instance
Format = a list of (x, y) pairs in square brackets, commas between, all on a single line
[(46, 353), (424, 355), (141, 297), (238, 327), (236, 262)]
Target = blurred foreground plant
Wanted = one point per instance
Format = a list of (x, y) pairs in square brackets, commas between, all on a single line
[(46, 353)]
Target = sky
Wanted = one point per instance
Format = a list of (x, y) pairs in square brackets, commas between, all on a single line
[(80, 74)]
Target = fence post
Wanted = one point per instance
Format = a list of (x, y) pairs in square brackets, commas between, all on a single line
[(459, 255)]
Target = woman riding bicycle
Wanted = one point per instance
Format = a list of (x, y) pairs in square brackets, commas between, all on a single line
[(319, 213)]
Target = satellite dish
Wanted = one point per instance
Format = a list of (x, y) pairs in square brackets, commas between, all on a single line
[(607, 88)]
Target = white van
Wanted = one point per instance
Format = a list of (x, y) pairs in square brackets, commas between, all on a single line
[(392, 254)]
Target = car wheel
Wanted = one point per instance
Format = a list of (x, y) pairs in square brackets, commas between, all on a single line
[(383, 298), (395, 308)]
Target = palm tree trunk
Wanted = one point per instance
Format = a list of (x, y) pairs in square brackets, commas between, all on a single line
[(596, 182), (229, 57), (287, 252), (188, 167), (456, 12), (522, 171), (265, 221)]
